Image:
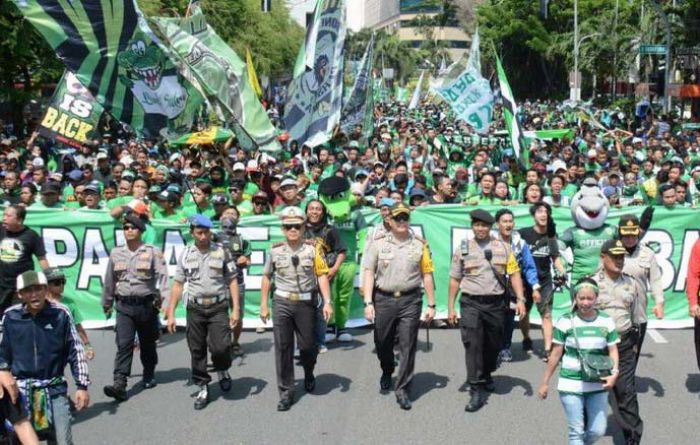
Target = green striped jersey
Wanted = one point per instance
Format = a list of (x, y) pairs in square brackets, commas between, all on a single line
[(594, 337)]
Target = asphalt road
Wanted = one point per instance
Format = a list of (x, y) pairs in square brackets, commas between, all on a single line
[(348, 408)]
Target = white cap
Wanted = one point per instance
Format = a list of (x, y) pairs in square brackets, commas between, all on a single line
[(174, 157), (238, 166), (592, 153), (102, 155), (38, 163), (252, 165), (288, 181)]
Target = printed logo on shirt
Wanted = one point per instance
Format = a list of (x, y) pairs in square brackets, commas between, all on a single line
[(48, 327), (11, 250)]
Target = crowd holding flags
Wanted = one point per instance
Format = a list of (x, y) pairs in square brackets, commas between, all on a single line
[(158, 87)]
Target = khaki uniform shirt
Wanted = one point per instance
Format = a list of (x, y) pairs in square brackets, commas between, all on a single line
[(205, 274), (303, 278), (140, 273), (470, 266), (398, 266), (642, 265), (618, 298)]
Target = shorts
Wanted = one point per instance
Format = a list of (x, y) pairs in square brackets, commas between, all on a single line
[(544, 307), (11, 412)]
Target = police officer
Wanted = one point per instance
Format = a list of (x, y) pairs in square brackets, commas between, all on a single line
[(619, 296), (640, 262), (480, 270), (239, 250), (209, 273), (396, 266), (299, 272), (137, 279)]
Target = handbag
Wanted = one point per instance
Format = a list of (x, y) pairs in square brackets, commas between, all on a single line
[(593, 366)]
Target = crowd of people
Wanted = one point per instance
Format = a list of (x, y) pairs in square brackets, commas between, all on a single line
[(409, 159)]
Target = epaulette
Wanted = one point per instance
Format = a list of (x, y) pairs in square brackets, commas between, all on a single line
[(310, 242), (278, 244), (378, 236), (422, 240)]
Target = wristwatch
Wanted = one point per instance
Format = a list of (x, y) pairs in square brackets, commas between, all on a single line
[(432, 306), (368, 303), (536, 287)]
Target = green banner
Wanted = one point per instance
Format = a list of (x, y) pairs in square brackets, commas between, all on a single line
[(113, 52), (223, 76), (73, 115), (79, 242)]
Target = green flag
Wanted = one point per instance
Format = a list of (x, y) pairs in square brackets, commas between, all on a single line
[(510, 112), (222, 75), (112, 51)]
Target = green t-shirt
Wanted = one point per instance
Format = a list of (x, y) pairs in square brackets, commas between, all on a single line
[(73, 308)]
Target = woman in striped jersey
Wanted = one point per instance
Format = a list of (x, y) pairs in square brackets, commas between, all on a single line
[(597, 335)]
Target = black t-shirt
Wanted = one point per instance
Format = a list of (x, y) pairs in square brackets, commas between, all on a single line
[(16, 250), (330, 241), (543, 249)]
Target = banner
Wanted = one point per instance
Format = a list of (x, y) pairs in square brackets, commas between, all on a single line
[(316, 92), (401, 94), (73, 114), (114, 54), (79, 243), (223, 77), (359, 102)]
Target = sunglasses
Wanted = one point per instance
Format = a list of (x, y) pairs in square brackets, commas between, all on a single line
[(57, 282), (234, 190), (130, 227), (292, 227), (401, 218), (259, 203)]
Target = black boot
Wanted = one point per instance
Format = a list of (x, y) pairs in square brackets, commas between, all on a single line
[(476, 400), (117, 391)]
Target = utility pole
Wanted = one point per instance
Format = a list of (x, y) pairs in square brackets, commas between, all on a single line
[(667, 73)]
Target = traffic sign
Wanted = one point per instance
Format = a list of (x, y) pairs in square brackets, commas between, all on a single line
[(652, 49)]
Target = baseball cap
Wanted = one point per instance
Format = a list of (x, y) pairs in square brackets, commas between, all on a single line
[(31, 278), (361, 172), (201, 221), (287, 182), (38, 163), (260, 196), (135, 221), (592, 153), (75, 175), (219, 199), (400, 209), (292, 215), (609, 191), (386, 202), (51, 187), (238, 167), (613, 247), (54, 273), (628, 225), (252, 166), (102, 155), (93, 188)]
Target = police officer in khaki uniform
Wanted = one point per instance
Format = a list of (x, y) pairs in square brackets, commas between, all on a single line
[(396, 265), (137, 279), (299, 272), (480, 270), (619, 296), (640, 262), (208, 272)]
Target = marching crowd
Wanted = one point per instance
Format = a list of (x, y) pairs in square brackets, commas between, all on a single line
[(412, 158)]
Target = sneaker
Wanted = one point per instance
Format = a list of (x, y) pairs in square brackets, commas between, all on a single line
[(505, 356), (344, 336), (236, 350), (202, 399), (330, 335), (527, 344), (224, 381), (149, 382), (260, 330), (322, 349)]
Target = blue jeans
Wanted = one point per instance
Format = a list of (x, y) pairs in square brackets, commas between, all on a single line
[(595, 406), (61, 420)]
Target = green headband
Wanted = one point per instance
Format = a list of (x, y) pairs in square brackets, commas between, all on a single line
[(585, 284)]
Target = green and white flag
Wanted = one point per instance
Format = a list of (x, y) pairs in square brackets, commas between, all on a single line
[(222, 75), (510, 113), (466, 91), (73, 115), (401, 94), (359, 101), (315, 94), (112, 51)]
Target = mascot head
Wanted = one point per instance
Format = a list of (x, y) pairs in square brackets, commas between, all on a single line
[(589, 207), (334, 193)]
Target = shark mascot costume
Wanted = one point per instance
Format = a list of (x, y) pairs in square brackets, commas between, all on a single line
[(334, 193), (589, 209)]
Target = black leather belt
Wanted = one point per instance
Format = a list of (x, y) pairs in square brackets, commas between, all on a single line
[(398, 294), (207, 301), (134, 300), (482, 298)]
